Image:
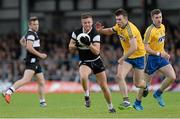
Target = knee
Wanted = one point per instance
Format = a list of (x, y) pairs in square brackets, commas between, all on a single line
[(84, 77), (25, 80), (137, 85), (173, 78), (104, 87), (119, 77), (41, 83), (140, 84)]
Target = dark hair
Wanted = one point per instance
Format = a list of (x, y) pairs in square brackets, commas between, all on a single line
[(155, 11), (86, 15), (121, 12), (33, 18)]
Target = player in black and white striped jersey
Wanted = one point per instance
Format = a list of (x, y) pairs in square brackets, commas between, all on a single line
[(87, 41), (31, 42)]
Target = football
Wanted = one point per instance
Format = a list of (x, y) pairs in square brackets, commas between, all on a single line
[(82, 36)]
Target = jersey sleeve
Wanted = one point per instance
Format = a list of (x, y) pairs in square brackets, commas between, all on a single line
[(147, 35), (115, 28), (30, 36), (73, 36), (131, 33), (96, 38)]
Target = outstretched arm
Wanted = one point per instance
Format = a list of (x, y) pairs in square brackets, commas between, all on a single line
[(100, 29)]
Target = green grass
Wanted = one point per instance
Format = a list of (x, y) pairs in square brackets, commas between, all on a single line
[(72, 106)]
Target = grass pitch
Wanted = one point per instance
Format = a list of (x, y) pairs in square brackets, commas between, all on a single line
[(72, 106)]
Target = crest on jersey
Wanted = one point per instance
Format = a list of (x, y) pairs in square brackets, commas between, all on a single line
[(121, 37), (161, 39)]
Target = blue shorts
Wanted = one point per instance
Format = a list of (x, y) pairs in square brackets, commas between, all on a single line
[(154, 63), (136, 62)]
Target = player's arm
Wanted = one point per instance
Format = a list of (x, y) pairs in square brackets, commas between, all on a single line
[(95, 47), (149, 50), (23, 42), (29, 47), (72, 46), (162, 54), (148, 34), (106, 31), (132, 49)]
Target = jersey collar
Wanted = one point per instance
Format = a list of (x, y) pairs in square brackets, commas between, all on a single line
[(88, 31), (156, 26)]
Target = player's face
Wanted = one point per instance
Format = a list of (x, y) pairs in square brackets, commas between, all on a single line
[(34, 25), (157, 19), (87, 24), (121, 20)]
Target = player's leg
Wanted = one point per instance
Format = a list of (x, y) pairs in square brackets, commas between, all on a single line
[(138, 75), (28, 74), (41, 88), (122, 71), (169, 72), (137, 104), (138, 78), (84, 71), (102, 81)]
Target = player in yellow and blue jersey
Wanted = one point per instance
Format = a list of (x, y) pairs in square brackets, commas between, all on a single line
[(158, 58), (133, 56)]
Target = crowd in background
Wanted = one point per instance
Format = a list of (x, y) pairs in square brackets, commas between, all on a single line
[(63, 66)]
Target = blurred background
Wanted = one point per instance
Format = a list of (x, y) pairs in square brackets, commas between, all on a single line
[(58, 18)]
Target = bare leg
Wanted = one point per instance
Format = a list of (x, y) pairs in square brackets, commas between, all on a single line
[(41, 88), (121, 74), (28, 74), (84, 76), (169, 72), (102, 81), (138, 78)]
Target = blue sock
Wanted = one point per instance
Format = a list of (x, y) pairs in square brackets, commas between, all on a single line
[(159, 92), (138, 102)]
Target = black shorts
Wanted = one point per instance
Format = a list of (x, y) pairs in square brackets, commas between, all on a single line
[(34, 66), (97, 66)]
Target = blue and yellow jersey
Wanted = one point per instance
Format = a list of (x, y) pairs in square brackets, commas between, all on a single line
[(155, 37), (125, 34)]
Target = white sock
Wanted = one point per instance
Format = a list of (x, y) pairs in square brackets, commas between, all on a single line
[(110, 106), (42, 100), (86, 93), (10, 90), (127, 102)]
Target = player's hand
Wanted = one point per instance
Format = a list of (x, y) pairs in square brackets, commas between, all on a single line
[(23, 42), (165, 55), (43, 56), (98, 26), (121, 60), (77, 44), (85, 41)]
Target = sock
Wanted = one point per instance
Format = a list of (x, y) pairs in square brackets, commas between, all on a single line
[(86, 98), (10, 90), (126, 99), (138, 102), (159, 92), (110, 106), (86, 93), (146, 88), (42, 100)]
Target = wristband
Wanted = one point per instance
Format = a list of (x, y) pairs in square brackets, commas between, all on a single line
[(158, 54)]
